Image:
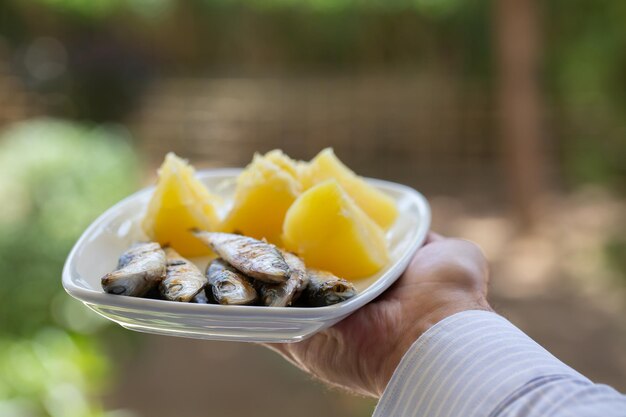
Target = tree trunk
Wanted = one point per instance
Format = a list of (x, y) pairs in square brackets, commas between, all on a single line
[(516, 42)]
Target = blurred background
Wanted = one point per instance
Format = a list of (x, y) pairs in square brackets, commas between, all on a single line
[(509, 115)]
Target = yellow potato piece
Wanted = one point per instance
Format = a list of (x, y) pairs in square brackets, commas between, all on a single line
[(288, 165), (179, 203), (379, 206), (263, 194), (326, 227)]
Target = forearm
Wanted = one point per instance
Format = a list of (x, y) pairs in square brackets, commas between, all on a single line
[(476, 363)]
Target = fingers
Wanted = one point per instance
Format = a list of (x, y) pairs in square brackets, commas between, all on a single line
[(433, 237), (286, 349), (452, 261), (276, 347), (283, 350)]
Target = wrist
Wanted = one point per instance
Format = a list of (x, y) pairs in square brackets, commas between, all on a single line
[(444, 310), (413, 331)]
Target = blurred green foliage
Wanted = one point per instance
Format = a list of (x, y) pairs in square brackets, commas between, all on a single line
[(615, 251), (50, 374), (55, 178), (100, 8), (103, 8), (585, 63), (585, 50)]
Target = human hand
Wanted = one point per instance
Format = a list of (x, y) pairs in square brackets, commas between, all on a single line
[(360, 353)]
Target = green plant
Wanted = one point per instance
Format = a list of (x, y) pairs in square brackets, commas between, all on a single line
[(55, 178)]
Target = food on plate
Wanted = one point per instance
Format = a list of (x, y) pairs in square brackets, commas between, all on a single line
[(285, 216), (329, 231), (279, 201), (139, 269), (183, 280), (288, 165), (326, 289), (146, 266), (264, 192), (284, 294), (379, 206), (229, 286), (180, 202), (254, 258)]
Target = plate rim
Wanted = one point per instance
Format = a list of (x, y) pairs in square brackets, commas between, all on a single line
[(90, 296)]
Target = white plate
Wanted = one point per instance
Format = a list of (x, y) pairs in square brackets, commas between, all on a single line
[(98, 249)]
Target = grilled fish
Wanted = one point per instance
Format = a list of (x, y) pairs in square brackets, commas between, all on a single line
[(139, 269), (283, 294), (325, 289), (183, 279), (252, 257), (228, 285)]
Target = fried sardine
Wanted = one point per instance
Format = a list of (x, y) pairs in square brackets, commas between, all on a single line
[(285, 293), (183, 280), (140, 268), (326, 289), (228, 285), (252, 257)]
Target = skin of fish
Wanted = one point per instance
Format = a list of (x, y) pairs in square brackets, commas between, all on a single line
[(228, 285), (252, 257), (284, 294), (326, 289), (183, 280), (139, 269), (304, 276)]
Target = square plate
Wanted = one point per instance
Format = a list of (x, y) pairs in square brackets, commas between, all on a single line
[(100, 246)]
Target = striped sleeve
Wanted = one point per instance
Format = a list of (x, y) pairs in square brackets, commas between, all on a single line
[(476, 363)]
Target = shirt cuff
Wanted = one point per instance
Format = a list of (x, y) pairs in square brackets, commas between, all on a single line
[(469, 364)]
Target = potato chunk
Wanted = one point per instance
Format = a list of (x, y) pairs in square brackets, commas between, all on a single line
[(326, 227), (179, 203), (264, 192), (379, 207)]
